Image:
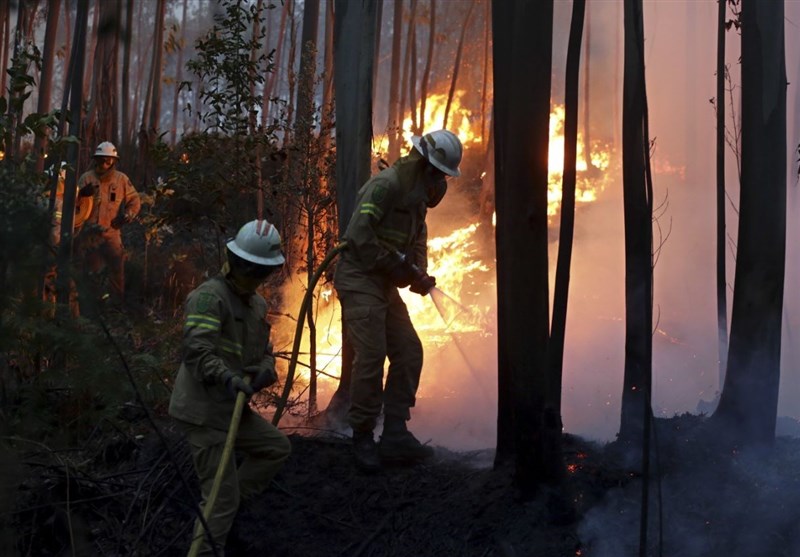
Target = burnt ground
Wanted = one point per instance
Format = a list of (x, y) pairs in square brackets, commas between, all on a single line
[(123, 495)]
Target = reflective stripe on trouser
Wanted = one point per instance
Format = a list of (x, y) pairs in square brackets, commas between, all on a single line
[(264, 449), (379, 328)]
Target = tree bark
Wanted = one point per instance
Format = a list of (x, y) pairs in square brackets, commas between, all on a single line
[(354, 39), (46, 76), (523, 46), (457, 65), (179, 73), (426, 74), (394, 122), (638, 211), (127, 138), (722, 240), (748, 405)]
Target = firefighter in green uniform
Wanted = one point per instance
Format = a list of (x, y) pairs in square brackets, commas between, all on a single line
[(225, 339), (386, 250)]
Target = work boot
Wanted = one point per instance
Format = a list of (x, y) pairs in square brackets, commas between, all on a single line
[(365, 452), (399, 445)]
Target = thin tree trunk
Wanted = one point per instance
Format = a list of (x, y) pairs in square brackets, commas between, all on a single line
[(722, 239), (457, 65), (5, 34), (566, 229), (88, 86), (376, 66), (404, 85), (587, 70), (46, 76), (326, 124), (126, 75), (273, 78), (179, 72), (487, 40), (426, 74), (67, 42), (158, 67), (394, 122), (638, 212)]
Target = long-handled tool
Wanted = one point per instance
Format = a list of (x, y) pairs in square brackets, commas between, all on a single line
[(227, 451)]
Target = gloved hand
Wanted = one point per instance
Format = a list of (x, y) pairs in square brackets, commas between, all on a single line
[(263, 374), (403, 273), (235, 384), (423, 284), (88, 190)]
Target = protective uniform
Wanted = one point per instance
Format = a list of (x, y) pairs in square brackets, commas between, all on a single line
[(225, 331), (389, 218), (115, 203)]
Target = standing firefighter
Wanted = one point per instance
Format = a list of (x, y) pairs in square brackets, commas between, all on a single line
[(225, 339), (386, 250), (115, 204)]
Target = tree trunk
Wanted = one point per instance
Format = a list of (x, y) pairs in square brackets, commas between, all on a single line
[(523, 33), (5, 38), (722, 240), (354, 38), (126, 76), (76, 103), (394, 123), (404, 87), (377, 56), (426, 74), (269, 91), (457, 65), (748, 405), (566, 229), (46, 76), (487, 38), (179, 73), (102, 120), (327, 83), (637, 202)]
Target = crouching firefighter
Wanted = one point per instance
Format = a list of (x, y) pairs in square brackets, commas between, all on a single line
[(225, 339), (386, 250)]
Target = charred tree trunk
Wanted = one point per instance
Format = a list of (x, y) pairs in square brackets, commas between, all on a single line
[(748, 404), (102, 124), (566, 230), (487, 38), (5, 36), (46, 76), (394, 124), (126, 135), (523, 46), (404, 87), (426, 74), (457, 65), (638, 212), (722, 242), (179, 73), (327, 81), (354, 37), (78, 53)]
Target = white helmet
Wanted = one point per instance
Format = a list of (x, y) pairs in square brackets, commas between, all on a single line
[(106, 149), (258, 242), (442, 148)]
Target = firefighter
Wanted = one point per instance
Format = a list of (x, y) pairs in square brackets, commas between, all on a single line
[(115, 204), (225, 339), (386, 250)]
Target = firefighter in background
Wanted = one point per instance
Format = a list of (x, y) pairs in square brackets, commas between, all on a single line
[(386, 250), (115, 204), (225, 338)]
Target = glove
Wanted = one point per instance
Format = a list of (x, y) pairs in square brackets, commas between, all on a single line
[(236, 384), (423, 284), (263, 374), (88, 190), (403, 274)]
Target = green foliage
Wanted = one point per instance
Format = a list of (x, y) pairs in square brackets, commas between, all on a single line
[(229, 74)]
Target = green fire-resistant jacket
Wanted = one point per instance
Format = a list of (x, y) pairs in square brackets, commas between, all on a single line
[(389, 217), (223, 330)]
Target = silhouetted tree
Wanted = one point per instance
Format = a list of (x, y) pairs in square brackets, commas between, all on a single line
[(523, 33), (747, 410)]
